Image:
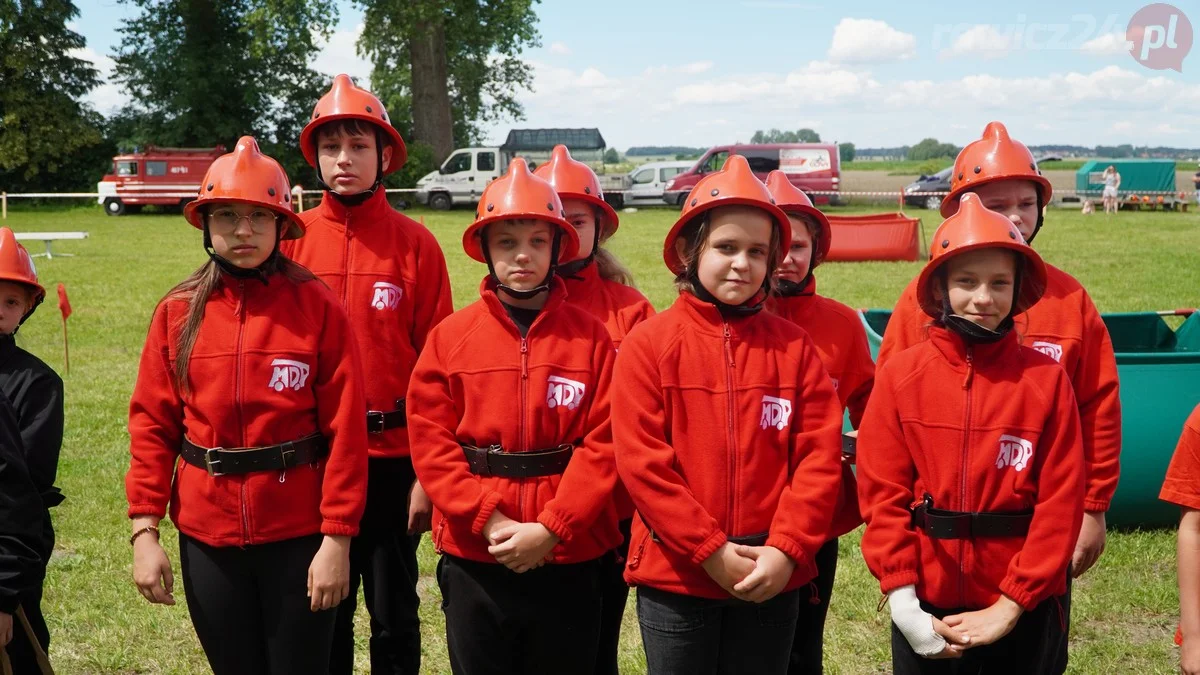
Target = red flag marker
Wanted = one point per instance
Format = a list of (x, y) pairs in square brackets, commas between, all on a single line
[(64, 306)]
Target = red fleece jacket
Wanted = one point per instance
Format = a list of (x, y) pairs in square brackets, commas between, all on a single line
[(390, 276), (1065, 325), (478, 382), (987, 428), (841, 340), (271, 363), (726, 427)]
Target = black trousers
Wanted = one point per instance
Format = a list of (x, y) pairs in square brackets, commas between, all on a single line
[(614, 593), (545, 621), (808, 649), (1035, 646), (21, 651), (250, 607), (383, 557)]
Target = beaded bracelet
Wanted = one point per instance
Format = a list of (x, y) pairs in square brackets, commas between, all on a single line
[(144, 530)]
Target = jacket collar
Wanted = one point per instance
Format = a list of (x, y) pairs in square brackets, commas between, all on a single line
[(333, 210), (954, 348), (487, 291), (708, 318), (795, 307), (8, 345), (582, 281), (233, 290)]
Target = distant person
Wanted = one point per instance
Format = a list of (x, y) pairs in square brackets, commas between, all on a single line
[(36, 394), (1088, 209), (1112, 183), (249, 376)]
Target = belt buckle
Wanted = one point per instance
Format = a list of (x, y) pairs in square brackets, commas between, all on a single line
[(374, 421), (287, 450), (211, 459)]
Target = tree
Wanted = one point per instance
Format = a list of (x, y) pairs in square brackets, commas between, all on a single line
[(447, 68), (777, 136), (846, 152), (204, 72), (48, 138), (612, 156), (930, 148)]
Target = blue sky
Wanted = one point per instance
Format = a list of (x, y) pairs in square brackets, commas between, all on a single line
[(701, 73)]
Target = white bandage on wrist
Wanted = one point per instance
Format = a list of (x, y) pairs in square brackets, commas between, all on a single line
[(915, 623)]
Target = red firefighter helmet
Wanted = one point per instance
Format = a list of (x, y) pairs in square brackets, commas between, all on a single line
[(247, 176), (16, 265), (516, 195), (734, 185), (971, 228), (994, 157), (573, 179), (793, 201), (344, 101)]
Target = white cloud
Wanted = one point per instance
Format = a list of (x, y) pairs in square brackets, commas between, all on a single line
[(694, 68), (1109, 44), (339, 54), (1121, 126), (1166, 128), (981, 40), (109, 96), (559, 49), (870, 41)]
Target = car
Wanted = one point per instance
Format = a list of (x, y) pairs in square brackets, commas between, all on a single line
[(649, 181), (938, 182), (815, 168)]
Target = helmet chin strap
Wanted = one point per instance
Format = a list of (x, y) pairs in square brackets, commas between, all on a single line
[(572, 269), (358, 197), (750, 307), (1041, 217), (533, 292), (262, 272)]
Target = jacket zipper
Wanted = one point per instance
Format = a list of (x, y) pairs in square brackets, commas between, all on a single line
[(962, 477), (346, 257), (636, 559), (437, 537), (237, 397), (732, 441), (523, 430)]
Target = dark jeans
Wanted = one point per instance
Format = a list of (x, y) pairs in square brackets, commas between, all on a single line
[(614, 592), (1034, 647), (545, 621), (697, 636), (250, 607), (384, 557), (809, 646)]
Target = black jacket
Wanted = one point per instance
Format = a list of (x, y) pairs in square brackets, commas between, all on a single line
[(21, 517), (36, 394)]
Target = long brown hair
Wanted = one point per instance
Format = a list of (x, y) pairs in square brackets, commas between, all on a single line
[(612, 269), (695, 234), (197, 289)]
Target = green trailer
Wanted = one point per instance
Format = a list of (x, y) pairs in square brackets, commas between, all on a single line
[(1159, 371), (1146, 179)]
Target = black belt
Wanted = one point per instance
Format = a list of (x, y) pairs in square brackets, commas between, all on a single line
[(746, 540), (379, 421), (494, 461), (225, 461), (941, 524)]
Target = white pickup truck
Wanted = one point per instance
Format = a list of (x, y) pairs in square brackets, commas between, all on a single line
[(466, 172)]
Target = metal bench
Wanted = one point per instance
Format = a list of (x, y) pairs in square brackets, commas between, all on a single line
[(47, 238)]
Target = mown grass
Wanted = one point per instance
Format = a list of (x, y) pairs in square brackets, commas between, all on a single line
[(1125, 610)]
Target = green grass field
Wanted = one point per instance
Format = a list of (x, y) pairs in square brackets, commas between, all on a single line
[(1125, 609)]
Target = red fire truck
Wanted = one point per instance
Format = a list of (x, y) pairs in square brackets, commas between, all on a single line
[(153, 175)]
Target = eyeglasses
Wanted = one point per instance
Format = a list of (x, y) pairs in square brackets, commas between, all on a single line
[(227, 220)]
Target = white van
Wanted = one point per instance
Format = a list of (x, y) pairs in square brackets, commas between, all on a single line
[(649, 181), (462, 177)]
